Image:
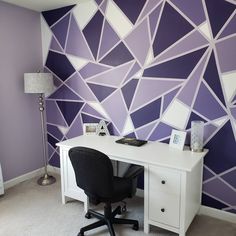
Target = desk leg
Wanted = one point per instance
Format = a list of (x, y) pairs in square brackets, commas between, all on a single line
[(86, 205), (146, 228)]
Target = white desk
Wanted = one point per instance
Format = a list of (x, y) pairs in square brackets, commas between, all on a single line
[(172, 179)]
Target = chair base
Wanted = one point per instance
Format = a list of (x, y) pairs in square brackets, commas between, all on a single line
[(107, 219)]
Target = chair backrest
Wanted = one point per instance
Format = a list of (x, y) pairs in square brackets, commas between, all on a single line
[(93, 171)]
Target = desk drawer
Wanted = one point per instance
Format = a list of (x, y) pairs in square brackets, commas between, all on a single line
[(164, 195)]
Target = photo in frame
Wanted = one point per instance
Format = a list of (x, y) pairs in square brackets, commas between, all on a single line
[(90, 128), (177, 139)]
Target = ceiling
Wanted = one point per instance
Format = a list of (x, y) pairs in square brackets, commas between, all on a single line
[(42, 5)]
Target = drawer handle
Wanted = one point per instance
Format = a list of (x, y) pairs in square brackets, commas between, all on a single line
[(163, 181), (162, 209)]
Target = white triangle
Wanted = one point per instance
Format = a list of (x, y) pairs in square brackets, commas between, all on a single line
[(84, 11), (129, 127), (77, 62), (63, 129), (150, 57), (98, 107), (46, 36), (219, 122), (204, 28), (229, 84), (138, 74)]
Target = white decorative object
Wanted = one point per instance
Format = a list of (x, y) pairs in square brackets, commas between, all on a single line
[(90, 128), (197, 130), (177, 139), (102, 128), (1, 182)]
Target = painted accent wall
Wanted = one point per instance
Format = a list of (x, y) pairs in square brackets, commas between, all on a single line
[(147, 67), (20, 52)]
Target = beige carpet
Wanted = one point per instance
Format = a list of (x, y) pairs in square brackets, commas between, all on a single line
[(31, 210)]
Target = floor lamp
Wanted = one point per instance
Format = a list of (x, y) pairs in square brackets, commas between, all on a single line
[(41, 83)]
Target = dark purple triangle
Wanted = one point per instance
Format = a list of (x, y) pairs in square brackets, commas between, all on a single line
[(168, 98), (53, 16), (89, 119), (64, 93), (131, 8), (161, 131), (128, 91), (98, 1), (179, 67), (223, 149), (54, 63), (52, 140), (53, 130), (192, 117), (69, 110), (230, 28), (212, 202), (92, 32), (119, 55), (212, 78), (146, 114), (60, 30), (172, 27), (101, 92), (153, 18), (55, 160), (207, 174), (218, 11), (230, 178)]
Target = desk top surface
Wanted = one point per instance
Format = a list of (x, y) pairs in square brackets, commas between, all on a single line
[(155, 153)]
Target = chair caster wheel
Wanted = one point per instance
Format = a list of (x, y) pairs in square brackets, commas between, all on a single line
[(80, 234), (119, 211), (124, 209), (135, 227), (88, 216)]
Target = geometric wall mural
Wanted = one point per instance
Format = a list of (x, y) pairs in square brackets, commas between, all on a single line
[(146, 67)]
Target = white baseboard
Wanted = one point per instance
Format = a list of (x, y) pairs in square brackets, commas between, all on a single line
[(140, 192), (54, 170), (219, 214), (12, 182)]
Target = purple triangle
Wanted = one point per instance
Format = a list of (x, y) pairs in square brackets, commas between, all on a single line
[(89, 119), (55, 46), (132, 72), (89, 110), (209, 129), (98, 1), (189, 90), (212, 78), (233, 112), (172, 27), (53, 130), (76, 44), (151, 89), (212, 202), (108, 40), (230, 28), (194, 40), (119, 55), (207, 174), (55, 160), (57, 82), (60, 30), (92, 69), (118, 117), (146, 114), (77, 84), (103, 6), (206, 100), (64, 93), (194, 116), (101, 92), (51, 150), (218, 8), (76, 128), (192, 9), (179, 67), (69, 110), (112, 130), (150, 5), (140, 32), (52, 140), (92, 32), (53, 114), (161, 131), (113, 77), (168, 98), (144, 132), (128, 91), (153, 19), (128, 8), (230, 178)]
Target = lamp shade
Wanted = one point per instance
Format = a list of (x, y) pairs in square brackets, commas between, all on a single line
[(38, 83)]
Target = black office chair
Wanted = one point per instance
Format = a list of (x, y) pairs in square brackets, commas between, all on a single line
[(94, 174)]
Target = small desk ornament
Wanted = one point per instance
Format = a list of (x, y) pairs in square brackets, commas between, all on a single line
[(102, 128)]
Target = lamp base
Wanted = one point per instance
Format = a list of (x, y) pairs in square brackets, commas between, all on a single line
[(46, 180)]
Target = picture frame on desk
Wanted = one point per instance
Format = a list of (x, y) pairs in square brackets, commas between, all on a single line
[(90, 128), (177, 139)]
